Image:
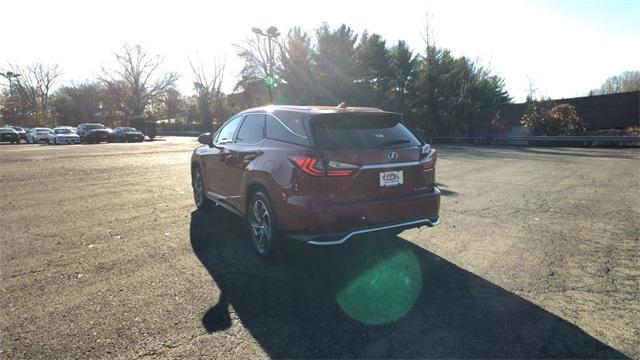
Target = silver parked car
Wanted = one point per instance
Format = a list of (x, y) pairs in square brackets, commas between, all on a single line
[(63, 135), (38, 134)]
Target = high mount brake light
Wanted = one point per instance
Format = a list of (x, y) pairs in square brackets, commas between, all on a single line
[(317, 167)]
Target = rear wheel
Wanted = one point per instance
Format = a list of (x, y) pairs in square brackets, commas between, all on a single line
[(262, 226), (199, 196)]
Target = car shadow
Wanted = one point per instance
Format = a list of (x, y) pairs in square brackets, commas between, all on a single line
[(374, 297)]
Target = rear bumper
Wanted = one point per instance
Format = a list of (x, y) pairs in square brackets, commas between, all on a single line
[(9, 138), (68, 141), (320, 221), (336, 239)]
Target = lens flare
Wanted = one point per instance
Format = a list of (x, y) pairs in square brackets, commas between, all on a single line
[(381, 282)]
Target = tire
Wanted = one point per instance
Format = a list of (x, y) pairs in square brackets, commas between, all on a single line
[(199, 197), (263, 228)]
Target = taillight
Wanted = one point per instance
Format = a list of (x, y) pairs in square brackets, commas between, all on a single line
[(309, 165), (428, 158), (318, 167)]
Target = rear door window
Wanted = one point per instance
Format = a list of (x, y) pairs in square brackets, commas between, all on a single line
[(278, 131), (252, 129), (361, 131)]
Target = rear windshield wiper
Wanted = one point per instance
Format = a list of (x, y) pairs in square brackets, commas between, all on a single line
[(395, 142)]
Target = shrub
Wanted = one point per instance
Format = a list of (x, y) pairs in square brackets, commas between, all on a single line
[(546, 118)]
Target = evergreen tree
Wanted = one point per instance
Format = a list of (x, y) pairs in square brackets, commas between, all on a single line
[(296, 70), (335, 65)]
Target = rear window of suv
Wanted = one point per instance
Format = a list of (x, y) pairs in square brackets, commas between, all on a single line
[(361, 131)]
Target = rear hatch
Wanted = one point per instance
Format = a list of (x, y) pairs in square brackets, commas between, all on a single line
[(387, 153)]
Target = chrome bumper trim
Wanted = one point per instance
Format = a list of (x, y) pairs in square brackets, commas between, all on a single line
[(389, 165), (425, 221)]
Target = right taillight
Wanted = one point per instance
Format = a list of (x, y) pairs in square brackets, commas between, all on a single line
[(429, 157), (314, 166)]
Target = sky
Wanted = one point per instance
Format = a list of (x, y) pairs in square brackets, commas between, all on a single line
[(561, 48)]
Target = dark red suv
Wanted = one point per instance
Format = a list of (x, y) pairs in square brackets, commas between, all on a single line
[(321, 175)]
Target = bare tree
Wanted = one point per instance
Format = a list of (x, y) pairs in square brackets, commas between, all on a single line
[(77, 102), (34, 87), (259, 57), (136, 78), (626, 81), (207, 82)]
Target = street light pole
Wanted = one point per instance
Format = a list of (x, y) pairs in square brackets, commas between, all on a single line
[(270, 33), (10, 75)]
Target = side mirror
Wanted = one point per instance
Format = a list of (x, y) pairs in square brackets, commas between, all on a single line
[(205, 139)]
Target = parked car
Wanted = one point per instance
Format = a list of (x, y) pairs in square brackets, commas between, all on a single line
[(8, 134), (127, 134), (63, 135), (21, 132), (320, 175), (145, 126), (94, 133), (38, 134)]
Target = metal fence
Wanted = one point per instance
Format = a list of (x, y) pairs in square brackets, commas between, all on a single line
[(541, 140)]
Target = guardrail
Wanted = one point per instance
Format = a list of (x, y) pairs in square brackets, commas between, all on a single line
[(542, 140)]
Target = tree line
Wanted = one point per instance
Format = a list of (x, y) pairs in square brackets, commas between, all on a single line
[(439, 93), (436, 91), (134, 87)]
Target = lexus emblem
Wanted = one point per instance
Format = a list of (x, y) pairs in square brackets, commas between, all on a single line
[(392, 155)]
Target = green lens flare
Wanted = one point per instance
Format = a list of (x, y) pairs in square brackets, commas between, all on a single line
[(382, 283), (269, 80)]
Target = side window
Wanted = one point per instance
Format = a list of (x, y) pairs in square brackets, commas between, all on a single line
[(227, 131), (277, 131), (252, 129)]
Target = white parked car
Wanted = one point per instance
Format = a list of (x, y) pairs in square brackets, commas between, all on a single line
[(63, 135), (37, 135)]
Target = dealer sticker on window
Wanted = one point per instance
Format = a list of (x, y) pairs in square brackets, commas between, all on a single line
[(391, 178)]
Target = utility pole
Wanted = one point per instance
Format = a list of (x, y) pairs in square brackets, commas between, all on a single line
[(9, 75), (271, 33)]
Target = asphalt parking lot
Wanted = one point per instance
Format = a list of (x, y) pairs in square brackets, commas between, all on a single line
[(103, 255)]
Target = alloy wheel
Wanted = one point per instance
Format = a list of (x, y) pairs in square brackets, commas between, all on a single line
[(261, 227), (198, 187)]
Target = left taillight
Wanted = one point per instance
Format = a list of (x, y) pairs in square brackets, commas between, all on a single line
[(315, 166)]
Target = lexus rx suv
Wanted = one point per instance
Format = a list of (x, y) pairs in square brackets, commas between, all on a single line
[(320, 175)]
